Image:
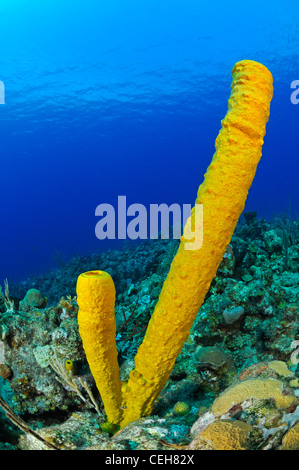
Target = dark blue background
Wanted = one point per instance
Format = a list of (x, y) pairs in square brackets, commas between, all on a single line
[(126, 98)]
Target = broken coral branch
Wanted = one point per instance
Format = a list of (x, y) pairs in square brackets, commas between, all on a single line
[(15, 419)]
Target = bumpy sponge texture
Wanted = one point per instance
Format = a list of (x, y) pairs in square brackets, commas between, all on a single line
[(97, 327), (223, 194)]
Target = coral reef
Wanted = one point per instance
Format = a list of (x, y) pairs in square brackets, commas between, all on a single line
[(33, 298), (224, 435), (261, 397), (234, 384), (215, 357)]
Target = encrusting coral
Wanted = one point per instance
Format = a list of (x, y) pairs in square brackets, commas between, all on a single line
[(256, 388), (291, 439), (222, 194)]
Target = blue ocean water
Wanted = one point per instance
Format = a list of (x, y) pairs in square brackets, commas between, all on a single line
[(125, 98)]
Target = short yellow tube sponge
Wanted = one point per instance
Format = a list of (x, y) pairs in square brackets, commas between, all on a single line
[(97, 327), (223, 194)]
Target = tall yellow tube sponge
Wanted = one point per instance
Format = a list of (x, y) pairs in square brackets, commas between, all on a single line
[(96, 318), (223, 194)]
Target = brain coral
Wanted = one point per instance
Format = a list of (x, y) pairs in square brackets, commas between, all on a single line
[(211, 357), (253, 388), (281, 368), (33, 299), (291, 439), (225, 435)]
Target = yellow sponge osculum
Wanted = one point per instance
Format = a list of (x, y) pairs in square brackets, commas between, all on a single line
[(223, 194), (97, 327)]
